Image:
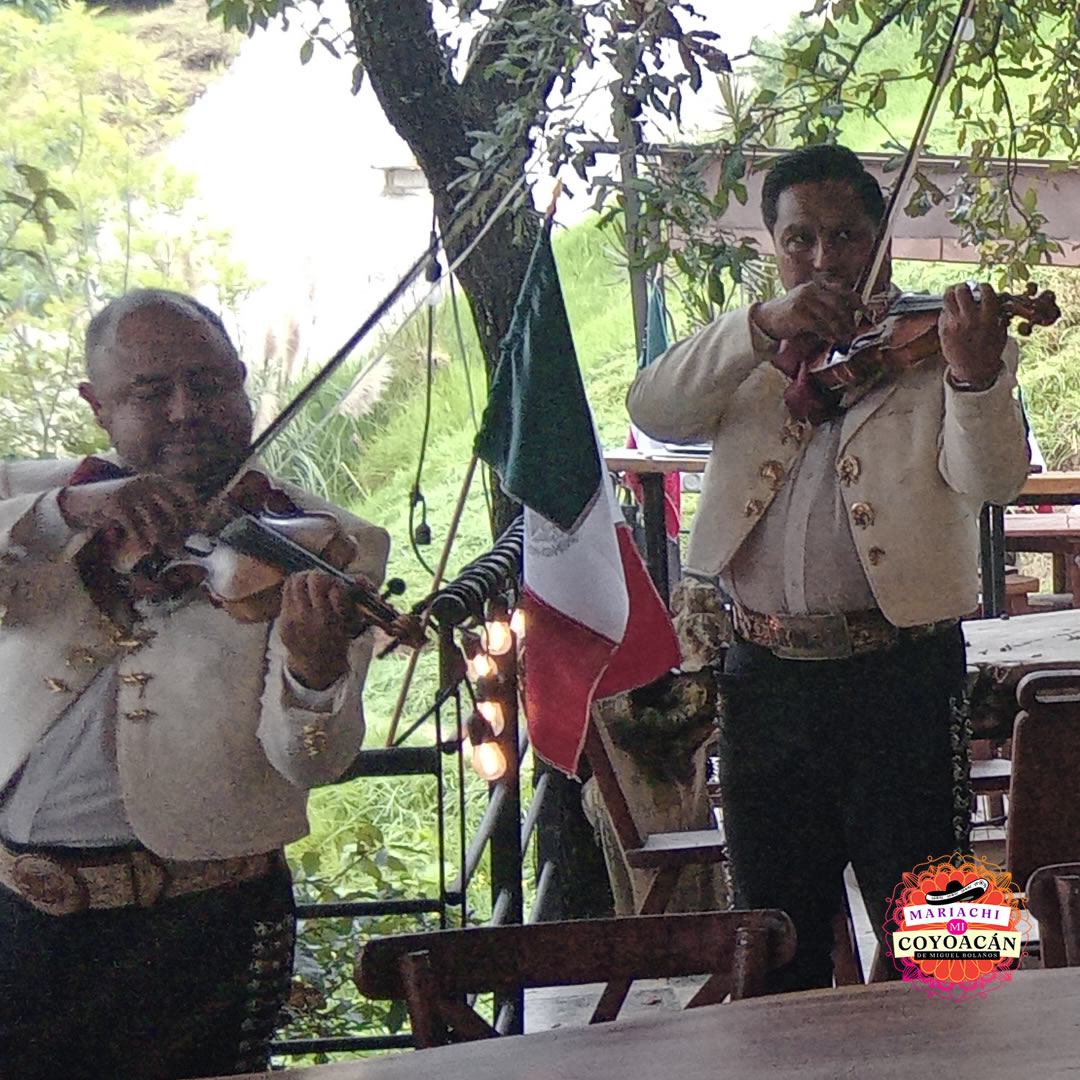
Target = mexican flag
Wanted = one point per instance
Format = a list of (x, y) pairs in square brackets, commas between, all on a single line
[(595, 624)]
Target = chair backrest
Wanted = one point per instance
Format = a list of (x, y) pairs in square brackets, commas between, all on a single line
[(1044, 791), (434, 972), (1053, 897)]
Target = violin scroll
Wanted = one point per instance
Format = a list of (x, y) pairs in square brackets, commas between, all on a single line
[(1034, 308)]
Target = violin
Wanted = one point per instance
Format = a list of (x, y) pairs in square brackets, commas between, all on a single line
[(907, 334), (253, 536)]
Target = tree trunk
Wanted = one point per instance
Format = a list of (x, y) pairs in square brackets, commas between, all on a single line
[(411, 76)]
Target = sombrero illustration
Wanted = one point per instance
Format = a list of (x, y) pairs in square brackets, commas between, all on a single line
[(958, 893)]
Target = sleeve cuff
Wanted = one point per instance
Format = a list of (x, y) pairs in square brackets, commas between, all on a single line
[(316, 700), (759, 340), (44, 529)]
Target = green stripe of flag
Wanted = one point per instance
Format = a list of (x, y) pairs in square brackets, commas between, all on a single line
[(537, 431)]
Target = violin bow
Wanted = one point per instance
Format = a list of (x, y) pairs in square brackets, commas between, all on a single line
[(312, 386), (962, 29)]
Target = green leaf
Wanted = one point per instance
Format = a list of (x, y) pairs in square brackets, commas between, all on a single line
[(34, 177), (59, 199), (717, 292), (306, 50), (734, 167)]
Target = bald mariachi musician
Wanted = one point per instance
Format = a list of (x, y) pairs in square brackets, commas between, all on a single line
[(844, 527), (156, 752)]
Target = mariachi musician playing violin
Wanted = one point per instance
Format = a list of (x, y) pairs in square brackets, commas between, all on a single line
[(157, 751), (843, 525)]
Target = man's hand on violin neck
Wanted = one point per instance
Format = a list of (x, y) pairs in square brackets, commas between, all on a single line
[(316, 623), (972, 335), (153, 512), (824, 311)]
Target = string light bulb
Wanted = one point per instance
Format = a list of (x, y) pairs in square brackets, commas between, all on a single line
[(498, 637), (492, 712), (489, 761), (517, 622), (480, 666)]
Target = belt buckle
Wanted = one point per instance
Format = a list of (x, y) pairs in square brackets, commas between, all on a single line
[(810, 637), (48, 885)]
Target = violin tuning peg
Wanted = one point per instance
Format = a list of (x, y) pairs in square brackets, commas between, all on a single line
[(1024, 329), (394, 587), (1031, 288)]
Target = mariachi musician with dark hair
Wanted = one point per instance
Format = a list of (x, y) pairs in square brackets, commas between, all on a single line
[(843, 523)]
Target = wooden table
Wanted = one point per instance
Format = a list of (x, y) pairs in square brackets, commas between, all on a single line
[(1057, 534), (1027, 1027), (1000, 652)]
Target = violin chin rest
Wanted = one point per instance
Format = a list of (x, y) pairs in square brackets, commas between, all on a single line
[(230, 574), (311, 531)]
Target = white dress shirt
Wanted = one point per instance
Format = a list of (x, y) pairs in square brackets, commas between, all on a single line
[(800, 558)]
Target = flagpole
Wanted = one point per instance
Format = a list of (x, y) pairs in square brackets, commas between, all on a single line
[(436, 582)]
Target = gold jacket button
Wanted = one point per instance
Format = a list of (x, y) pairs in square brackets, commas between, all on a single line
[(848, 469), (862, 513), (136, 678), (772, 472), (793, 431), (753, 508), (875, 555), (314, 739)]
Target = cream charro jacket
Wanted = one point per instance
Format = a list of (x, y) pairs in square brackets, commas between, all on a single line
[(917, 460), (215, 753)]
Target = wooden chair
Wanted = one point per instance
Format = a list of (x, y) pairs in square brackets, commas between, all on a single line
[(666, 853), (1043, 825), (1053, 896), (433, 972)]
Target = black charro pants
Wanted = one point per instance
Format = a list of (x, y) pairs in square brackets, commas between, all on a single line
[(826, 762), (189, 987)]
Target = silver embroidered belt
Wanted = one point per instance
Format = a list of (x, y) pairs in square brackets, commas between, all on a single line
[(62, 884), (827, 637)]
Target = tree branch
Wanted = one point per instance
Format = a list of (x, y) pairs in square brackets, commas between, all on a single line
[(492, 47)]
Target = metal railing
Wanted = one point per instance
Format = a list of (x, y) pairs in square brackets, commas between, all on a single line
[(501, 834)]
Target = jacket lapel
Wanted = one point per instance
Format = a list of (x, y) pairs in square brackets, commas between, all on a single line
[(864, 408)]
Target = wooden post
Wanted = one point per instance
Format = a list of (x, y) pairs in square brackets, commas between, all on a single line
[(628, 135)]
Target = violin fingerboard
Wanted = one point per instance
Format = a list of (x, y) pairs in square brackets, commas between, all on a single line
[(251, 537)]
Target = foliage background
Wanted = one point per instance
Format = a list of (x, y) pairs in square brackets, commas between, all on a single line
[(91, 99)]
